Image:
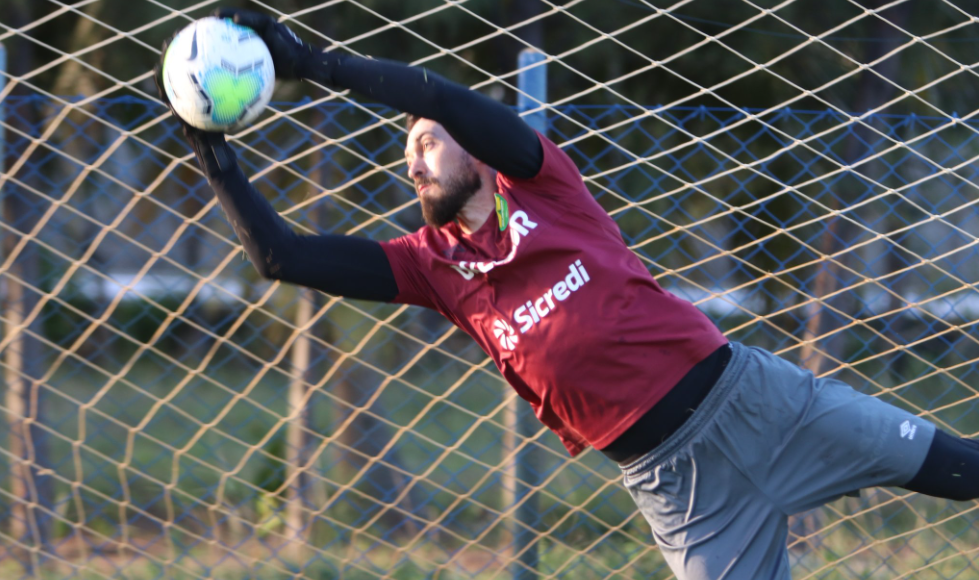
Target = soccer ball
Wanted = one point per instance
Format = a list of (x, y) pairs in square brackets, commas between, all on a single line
[(218, 75)]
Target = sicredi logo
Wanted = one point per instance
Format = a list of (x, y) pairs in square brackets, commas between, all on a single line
[(505, 334), (535, 310), (520, 225)]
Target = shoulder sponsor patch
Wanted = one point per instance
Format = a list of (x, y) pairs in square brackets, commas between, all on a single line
[(502, 211)]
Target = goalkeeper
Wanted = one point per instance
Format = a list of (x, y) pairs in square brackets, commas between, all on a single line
[(718, 442)]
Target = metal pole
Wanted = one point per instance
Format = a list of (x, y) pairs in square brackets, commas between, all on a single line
[(3, 116), (532, 85)]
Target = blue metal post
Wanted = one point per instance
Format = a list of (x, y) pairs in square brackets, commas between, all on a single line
[(532, 84), (3, 116)]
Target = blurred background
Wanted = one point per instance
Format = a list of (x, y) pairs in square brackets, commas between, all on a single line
[(803, 171)]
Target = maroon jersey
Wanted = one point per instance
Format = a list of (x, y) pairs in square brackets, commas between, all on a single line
[(571, 317)]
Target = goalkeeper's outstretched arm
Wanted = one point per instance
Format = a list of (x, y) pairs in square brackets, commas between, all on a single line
[(487, 129), (490, 131), (341, 265), (344, 265)]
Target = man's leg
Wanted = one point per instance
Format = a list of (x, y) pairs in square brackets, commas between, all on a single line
[(806, 441), (709, 521), (709, 518), (785, 442), (781, 442)]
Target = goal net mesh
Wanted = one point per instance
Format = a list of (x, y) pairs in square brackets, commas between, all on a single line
[(802, 171)]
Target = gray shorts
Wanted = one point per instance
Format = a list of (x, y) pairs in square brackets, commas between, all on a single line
[(770, 440)]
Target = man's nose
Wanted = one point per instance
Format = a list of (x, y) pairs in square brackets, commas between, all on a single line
[(417, 168)]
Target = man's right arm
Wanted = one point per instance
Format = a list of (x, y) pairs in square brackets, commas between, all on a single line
[(336, 264), (490, 131)]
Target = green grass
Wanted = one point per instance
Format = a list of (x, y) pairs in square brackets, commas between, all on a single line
[(362, 547)]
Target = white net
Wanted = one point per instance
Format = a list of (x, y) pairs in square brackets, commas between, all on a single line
[(802, 171)]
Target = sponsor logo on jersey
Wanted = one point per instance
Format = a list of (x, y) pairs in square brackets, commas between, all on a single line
[(505, 334), (907, 430), (502, 211), (520, 225), (537, 309)]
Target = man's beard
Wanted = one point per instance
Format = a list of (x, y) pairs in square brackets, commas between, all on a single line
[(455, 192)]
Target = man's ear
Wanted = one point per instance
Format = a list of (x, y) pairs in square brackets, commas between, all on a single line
[(485, 170), (478, 165)]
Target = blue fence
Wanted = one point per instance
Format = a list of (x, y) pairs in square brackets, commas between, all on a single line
[(156, 370)]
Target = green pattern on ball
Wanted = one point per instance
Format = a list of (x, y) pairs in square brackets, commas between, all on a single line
[(231, 93)]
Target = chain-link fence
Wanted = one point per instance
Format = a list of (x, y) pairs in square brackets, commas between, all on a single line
[(171, 415)]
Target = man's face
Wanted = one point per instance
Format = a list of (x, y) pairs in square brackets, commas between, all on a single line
[(444, 175)]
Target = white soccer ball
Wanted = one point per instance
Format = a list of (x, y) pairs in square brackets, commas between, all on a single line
[(218, 75)]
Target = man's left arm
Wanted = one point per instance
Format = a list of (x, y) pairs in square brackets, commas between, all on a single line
[(487, 129)]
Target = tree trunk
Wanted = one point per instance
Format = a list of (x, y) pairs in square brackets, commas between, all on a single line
[(29, 524), (872, 92)]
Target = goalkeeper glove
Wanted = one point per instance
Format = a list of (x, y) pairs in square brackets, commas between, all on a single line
[(214, 155), (292, 58)]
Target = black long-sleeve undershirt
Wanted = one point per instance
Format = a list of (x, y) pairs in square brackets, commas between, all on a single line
[(950, 470), (487, 129), (345, 265), (340, 265)]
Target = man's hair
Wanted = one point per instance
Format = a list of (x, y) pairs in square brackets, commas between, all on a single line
[(410, 120)]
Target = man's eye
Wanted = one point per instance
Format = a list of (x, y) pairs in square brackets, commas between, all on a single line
[(428, 144)]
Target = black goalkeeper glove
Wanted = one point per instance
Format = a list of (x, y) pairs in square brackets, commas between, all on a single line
[(292, 58), (212, 150)]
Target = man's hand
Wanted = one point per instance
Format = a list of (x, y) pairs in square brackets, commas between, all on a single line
[(158, 79), (213, 152), (290, 55)]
